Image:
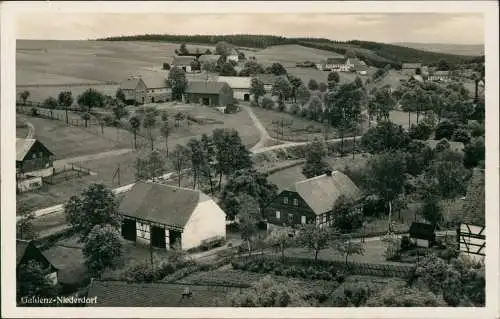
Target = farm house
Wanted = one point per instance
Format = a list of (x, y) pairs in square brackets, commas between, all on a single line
[(310, 201), (240, 86), (209, 93), (33, 162), (183, 62), (147, 88), (26, 251), (165, 216)]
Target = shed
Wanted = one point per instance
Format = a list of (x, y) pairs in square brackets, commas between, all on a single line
[(209, 93), (423, 234), (26, 251)]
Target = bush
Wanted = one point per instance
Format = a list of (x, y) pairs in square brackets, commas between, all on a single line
[(295, 109), (445, 130), (267, 103), (461, 135), (421, 131), (406, 243), (34, 111)]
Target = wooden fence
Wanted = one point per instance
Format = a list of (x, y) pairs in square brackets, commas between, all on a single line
[(352, 267), (46, 114), (65, 173)]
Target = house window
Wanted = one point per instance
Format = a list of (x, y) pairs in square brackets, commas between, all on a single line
[(290, 218), (277, 214), (296, 202), (302, 220), (285, 200)]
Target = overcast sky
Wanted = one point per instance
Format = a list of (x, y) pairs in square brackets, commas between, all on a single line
[(394, 27)]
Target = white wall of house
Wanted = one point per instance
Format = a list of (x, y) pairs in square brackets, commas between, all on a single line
[(233, 57), (30, 184), (239, 94), (422, 243), (208, 220)]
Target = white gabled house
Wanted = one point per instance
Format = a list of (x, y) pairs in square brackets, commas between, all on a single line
[(164, 216)]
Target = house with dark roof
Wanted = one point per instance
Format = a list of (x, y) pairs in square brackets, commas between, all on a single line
[(209, 93), (150, 87), (33, 162), (356, 65), (70, 262), (333, 64), (311, 201), (159, 294), (410, 68), (422, 234), (26, 251), (164, 216), (183, 62)]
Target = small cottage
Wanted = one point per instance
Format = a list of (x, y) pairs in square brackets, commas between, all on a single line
[(33, 162), (422, 234), (183, 62), (440, 76), (209, 93), (26, 251), (164, 216), (333, 64), (311, 201)]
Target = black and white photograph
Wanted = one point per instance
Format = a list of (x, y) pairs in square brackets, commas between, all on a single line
[(330, 160)]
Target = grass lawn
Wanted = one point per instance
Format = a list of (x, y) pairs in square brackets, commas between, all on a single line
[(392, 78), (21, 129), (212, 119), (401, 118), (67, 141), (299, 129)]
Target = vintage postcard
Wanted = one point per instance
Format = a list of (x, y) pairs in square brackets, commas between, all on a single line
[(220, 159)]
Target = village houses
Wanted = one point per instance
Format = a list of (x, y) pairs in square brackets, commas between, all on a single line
[(239, 84), (165, 216), (34, 161), (26, 251), (333, 64), (146, 88), (310, 201), (209, 93), (183, 62), (440, 76), (410, 68)]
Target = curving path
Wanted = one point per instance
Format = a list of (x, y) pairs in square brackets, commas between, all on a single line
[(264, 135)]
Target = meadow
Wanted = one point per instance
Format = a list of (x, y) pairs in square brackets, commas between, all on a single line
[(63, 62)]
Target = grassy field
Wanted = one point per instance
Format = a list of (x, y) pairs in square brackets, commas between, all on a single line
[(67, 141), (289, 55), (56, 62), (401, 118), (392, 78)]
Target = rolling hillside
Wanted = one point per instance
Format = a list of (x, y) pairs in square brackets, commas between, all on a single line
[(375, 53), (458, 49)]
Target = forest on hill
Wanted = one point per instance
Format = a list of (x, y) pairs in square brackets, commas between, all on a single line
[(374, 53)]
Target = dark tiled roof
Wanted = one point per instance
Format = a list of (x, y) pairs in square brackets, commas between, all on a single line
[(70, 262), (321, 192), (422, 231), (123, 294), (205, 87), (287, 178), (162, 204), (154, 80), (23, 146)]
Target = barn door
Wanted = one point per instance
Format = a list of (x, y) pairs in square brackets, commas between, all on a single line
[(128, 229), (158, 237)]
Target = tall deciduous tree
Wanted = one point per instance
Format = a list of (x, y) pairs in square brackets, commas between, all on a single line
[(91, 98), (197, 159), (346, 217), (277, 69), (135, 124), (178, 82), (316, 238), (348, 248), (149, 123), (180, 159), (150, 166), (32, 281), (65, 99), (387, 175), (313, 85), (208, 159), (316, 165), (280, 237), (24, 95), (282, 89), (165, 132), (51, 104), (223, 48), (103, 248), (303, 94), (385, 137), (249, 215), (257, 89), (96, 205), (24, 226)]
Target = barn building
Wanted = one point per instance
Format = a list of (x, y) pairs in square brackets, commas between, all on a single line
[(33, 162), (410, 68), (209, 93), (26, 251), (240, 85), (334, 64), (311, 201), (165, 216)]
